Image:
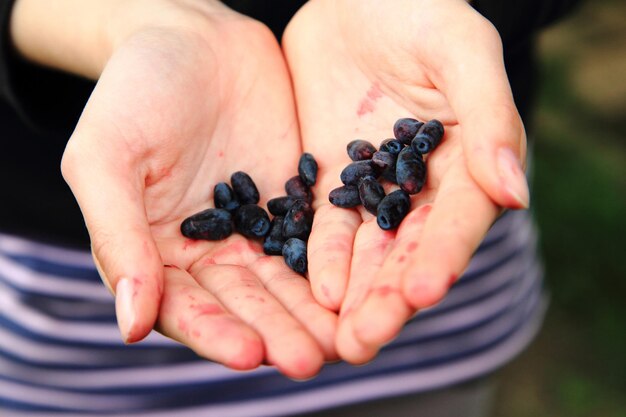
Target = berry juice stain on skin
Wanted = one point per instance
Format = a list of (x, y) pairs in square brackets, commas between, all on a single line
[(189, 243), (206, 309), (452, 280), (384, 291), (368, 103), (183, 326)]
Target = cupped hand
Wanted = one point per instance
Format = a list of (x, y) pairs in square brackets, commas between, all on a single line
[(368, 65), (179, 107)]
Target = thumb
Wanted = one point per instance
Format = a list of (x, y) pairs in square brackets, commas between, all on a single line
[(122, 245), (492, 133)]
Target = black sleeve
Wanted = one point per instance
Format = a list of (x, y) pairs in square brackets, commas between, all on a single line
[(46, 99)]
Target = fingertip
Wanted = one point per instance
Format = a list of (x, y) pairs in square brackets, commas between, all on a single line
[(137, 303), (381, 317), (422, 294), (246, 353), (349, 348), (329, 288)]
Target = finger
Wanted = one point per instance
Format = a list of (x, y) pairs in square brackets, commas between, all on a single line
[(370, 247), (461, 215), (195, 318), (294, 293), (492, 132), (288, 345), (330, 252), (385, 311), (121, 241)]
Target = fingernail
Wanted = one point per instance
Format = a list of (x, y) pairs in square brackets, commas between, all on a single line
[(124, 308), (513, 177)]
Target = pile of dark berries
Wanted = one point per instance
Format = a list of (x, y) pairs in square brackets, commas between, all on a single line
[(237, 209), (399, 160)]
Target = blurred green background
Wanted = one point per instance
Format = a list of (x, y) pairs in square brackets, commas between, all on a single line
[(577, 365)]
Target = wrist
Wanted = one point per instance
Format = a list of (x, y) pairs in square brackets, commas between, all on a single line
[(79, 36)]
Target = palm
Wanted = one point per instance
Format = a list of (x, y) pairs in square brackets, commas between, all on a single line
[(213, 113), (365, 80)]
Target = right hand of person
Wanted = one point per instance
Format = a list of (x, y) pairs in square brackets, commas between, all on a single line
[(191, 93)]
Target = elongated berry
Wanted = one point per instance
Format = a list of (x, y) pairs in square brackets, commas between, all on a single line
[(383, 159), (252, 221), (280, 205), (391, 145), (392, 209), (370, 193), (346, 196), (295, 187), (410, 171), (405, 129), (357, 170), (298, 221), (224, 197), (295, 255), (244, 188), (209, 224), (360, 150), (428, 137), (274, 240), (307, 169)]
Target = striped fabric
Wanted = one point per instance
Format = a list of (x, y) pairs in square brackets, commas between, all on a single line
[(61, 353)]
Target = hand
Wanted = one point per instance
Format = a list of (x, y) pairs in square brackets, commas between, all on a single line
[(368, 65), (178, 108)]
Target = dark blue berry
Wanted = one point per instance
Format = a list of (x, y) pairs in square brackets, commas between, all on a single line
[(295, 187), (274, 240), (370, 193), (392, 209), (244, 188), (224, 197), (252, 221), (387, 162), (307, 169), (383, 159), (346, 196), (410, 171), (391, 145), (428, 137), (298, 220), (357, 170), (294, 253), (210, 224), (405, 129), (280, 205), (360, 150)]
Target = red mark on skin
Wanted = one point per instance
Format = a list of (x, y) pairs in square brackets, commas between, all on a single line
[(421, 215), (189, 243), (255, 246), (220, 154), (209, 261), (452, 280), (196, 334), (325, 291), (401, 259), (411, 247), (367, 104), (254, 297), (235, 248), (385, 290), (206, 309), (183, 325)]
